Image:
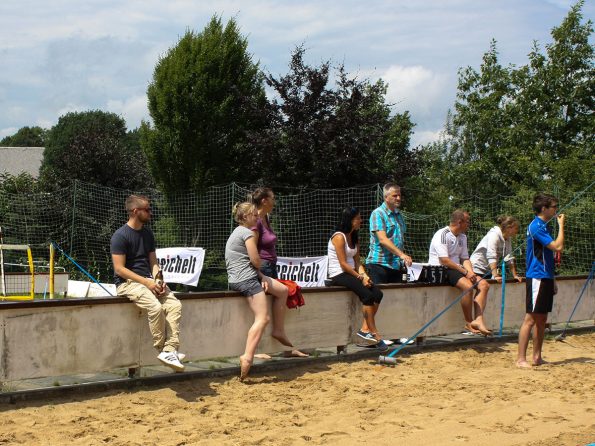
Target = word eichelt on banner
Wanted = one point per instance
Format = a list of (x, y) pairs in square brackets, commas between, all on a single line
[(305, 271), (181, 265)]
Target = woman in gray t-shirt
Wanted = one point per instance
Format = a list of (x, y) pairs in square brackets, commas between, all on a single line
[(243, 264)]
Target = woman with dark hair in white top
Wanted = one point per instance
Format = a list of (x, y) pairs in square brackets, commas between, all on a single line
[(345, 269)]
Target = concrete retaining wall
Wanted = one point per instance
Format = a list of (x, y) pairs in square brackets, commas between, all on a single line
[(58, 337)]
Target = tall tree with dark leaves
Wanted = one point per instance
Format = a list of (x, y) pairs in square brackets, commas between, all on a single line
[(325, 135)]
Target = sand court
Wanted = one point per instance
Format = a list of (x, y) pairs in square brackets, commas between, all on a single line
[(469, 394)]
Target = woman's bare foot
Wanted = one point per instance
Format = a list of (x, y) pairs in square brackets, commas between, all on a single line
[(295, 354), (523, 365), (540, 361), (262, 356), (282, 338), (245, 365), (481, 328)]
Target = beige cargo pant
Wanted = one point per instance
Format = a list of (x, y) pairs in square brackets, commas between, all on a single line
[(164, 314)]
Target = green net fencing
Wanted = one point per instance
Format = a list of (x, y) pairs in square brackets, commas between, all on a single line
[(82, 218)]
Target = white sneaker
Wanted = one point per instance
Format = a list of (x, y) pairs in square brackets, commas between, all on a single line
[(181, 356), (170, 359)]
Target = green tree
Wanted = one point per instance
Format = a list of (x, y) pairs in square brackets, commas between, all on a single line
[(396, 160), (524, 128), (324, 135), (26, 137), (197, 102), (555, 104), (93, 147), (476, 141), (22, 183), (430, 190)]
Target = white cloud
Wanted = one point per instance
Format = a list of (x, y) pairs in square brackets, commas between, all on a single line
[(67, 55), (44, 123), (562, 4), (133, 110), (9, 131), (414, 88), (33, 23), (71, 107), (426, 136), (13, 112)]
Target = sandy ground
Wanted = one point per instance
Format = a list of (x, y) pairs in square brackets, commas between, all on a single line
[(465, 395)]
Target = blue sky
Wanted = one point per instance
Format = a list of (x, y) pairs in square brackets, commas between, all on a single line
[(62, 55)]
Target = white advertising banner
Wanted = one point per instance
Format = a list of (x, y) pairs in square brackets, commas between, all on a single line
[(181, 265), (414, 271), (305, 271)]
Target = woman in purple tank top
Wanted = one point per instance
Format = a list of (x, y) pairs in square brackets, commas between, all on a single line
[(264, 199), (266, 239)]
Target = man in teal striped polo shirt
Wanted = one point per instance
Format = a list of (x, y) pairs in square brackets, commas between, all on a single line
[(387, 239)]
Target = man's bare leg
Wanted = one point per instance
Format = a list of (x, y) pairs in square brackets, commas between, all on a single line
[(524, 335), (472, 325), (538, 337)]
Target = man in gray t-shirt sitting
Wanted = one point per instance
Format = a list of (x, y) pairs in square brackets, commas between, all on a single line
[(136, 276)]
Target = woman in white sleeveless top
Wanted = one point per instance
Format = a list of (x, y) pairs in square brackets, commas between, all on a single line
[(345, 269)]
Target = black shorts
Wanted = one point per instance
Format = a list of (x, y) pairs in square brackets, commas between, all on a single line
[(382, 274), (269, 269), (540, 295), (453, 276), (367, 296)]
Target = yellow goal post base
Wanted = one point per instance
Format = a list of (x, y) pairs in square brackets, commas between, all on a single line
[(10, 289)]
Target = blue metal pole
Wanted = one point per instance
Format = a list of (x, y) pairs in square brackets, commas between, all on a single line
[(503, 298), (83, 270)]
